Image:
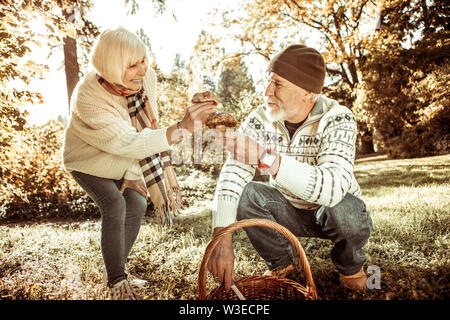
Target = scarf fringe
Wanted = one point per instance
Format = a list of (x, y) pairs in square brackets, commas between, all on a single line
[(166, 213), (178, 199), (163, 216)]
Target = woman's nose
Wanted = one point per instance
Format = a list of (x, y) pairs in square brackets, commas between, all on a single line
[(142, 67)]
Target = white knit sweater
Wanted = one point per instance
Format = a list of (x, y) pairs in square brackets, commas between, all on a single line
[(316, 166), (100, 139)]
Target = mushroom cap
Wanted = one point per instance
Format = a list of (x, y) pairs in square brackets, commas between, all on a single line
[(221, 118), (205, 96)]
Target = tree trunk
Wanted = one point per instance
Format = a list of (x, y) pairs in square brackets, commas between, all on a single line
[(70, 62), (366, 146), (354, 73)]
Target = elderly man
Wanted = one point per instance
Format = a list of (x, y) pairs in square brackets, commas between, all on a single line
[(306, 142)]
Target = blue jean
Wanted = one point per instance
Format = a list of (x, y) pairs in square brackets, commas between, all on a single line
[(347, 225), (121, 220)]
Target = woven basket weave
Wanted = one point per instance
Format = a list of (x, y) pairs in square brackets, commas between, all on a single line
[(259, 287)]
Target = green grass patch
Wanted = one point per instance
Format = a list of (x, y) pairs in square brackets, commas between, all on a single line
[(408, 201)]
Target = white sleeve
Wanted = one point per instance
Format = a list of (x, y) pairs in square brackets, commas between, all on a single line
[(107, 131)]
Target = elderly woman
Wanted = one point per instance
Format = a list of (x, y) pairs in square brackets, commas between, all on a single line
[(115, 151)]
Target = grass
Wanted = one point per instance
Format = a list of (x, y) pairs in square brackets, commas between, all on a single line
[(408, 201)]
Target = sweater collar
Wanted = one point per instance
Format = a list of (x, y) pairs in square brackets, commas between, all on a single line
[(318, 107)]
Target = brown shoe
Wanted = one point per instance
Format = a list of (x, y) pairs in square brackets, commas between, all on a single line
[(290, 271), (357, 281), (280, 273)]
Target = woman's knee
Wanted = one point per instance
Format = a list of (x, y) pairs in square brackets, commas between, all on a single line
[(136, 203), (114, 207)]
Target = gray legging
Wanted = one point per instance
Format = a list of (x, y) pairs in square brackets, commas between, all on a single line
[(121, 220)]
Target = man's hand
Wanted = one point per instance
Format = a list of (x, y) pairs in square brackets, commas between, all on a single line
[(138, 185), (243, 148), (246, 150), (221, 261)]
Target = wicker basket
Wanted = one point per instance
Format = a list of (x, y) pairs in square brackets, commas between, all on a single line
[(259, 287)]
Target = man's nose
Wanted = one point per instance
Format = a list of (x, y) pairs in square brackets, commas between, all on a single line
[(269, 89)]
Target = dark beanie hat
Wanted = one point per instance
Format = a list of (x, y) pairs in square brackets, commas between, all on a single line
[(300, 65)]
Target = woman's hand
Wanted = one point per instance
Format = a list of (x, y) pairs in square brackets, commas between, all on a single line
[(137, 185), (198, 112)]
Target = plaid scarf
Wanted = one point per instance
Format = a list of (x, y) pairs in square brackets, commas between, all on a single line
[(158, 172)]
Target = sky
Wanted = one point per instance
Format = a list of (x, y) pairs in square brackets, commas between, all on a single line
[(167, 38)]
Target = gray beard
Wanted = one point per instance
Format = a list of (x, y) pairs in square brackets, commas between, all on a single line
[(274, 117)]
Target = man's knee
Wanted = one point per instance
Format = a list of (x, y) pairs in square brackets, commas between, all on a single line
[(350, 219), (251, 197), (245, 201)]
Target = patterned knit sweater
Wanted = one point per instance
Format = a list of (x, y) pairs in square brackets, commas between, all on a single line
[(316, 166), (100, 139)]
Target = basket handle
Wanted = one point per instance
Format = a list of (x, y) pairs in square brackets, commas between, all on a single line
[(310, 286)]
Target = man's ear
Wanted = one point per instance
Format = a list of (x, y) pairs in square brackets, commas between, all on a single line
[(310, 96)]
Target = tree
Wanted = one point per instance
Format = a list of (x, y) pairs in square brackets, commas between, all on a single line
[(172, 92), (267, 27), (83, 34), (159, 6), (205, 61), (71, 65), (17, 38), (403, 93), (336, 27), (235, 89), (233, 79)]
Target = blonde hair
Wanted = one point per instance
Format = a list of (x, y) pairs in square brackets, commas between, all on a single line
[(114, 51)]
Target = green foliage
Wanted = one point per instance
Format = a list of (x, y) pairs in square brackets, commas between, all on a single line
[(334, 27), (158, 5), (404, 63), (33, 183), (32, 180), (15, 40), (172, 96), (403, 94), (236, 91), (16, 37)]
